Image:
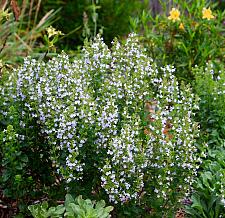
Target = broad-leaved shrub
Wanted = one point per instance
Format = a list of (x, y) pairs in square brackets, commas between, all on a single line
[(208, 196)]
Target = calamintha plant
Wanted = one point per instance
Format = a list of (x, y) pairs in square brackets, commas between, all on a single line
[(117, 125)]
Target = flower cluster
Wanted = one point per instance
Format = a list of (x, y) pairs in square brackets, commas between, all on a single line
[(115, 112), (122, 175), (59, 98), (171, 134), (53, 32), (175, 14)]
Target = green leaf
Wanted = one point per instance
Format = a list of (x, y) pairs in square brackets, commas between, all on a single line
[(109, 209), (100, 212), (69, 199), (51, 211), (91, 212), (39, 210), (100, 204), (69, 214), (205, 177), (44, 205), (196, 202), (79, 200), (56, 211), (6, 175), (213, 199), (60, 209), (104, 215), (77, 209), (88, 202), (192, 212), (24, 158)]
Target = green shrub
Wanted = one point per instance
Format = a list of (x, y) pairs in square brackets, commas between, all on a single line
[(117, 126)]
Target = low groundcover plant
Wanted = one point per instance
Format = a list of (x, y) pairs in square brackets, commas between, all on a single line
[(117, 124), (72, 208)]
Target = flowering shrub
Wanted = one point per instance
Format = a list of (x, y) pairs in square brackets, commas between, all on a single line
[(116, 123)]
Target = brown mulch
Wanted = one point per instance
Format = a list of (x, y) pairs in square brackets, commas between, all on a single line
[(8, 208), (180, 214)]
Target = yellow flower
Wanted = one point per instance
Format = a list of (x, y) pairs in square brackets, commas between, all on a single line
[(53, 32), (181, 26), (207, 14), (4, 14), (174, 15)]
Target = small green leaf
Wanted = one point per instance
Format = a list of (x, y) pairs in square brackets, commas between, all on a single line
[(196, 202), (100, 204), (76, 209), (44, 205), (206, 177), (51, 211), (69, 199), (108, 209), (60, 209), (79, 200)]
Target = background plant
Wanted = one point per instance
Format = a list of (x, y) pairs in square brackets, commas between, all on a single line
[(86, 17), (212, 113), (208, 198), (21, 30), (186, 41)]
